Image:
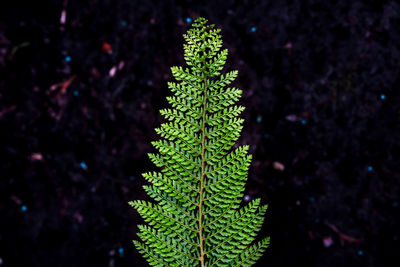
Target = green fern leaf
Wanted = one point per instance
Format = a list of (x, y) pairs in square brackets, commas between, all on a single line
[(197, 217)]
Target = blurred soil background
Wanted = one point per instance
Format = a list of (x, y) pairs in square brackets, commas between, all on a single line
[(81, 86)]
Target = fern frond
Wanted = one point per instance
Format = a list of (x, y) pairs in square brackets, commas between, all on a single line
[(197, 218)]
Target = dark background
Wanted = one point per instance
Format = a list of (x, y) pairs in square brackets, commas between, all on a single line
[(321, 90)]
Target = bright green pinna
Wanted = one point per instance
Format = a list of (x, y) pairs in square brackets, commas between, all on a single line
[(197, 219)]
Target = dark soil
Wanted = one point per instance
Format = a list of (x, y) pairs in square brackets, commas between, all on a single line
[(79, 102)]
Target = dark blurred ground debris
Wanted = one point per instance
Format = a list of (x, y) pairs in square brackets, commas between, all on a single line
[(321, 86)]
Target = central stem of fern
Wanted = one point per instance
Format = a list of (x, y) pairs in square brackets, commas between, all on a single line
[(203, 144)]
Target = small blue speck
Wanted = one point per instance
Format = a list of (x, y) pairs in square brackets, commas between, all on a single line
[(131, 178), (68, 59), (24, 208), (266, 136), (360, 252), (121, 252), (124, 23), (105, 224), (76, 92), (370, 168), (259, 119), (83, 165), (188, 20), (312, 199), (317, 220), (303, 122), (383, 96), (253, 29), (293, 134)]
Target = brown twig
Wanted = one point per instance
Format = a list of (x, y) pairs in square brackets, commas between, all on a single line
[(63, 85), (6, 110), (61, 101), (343, 237)]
